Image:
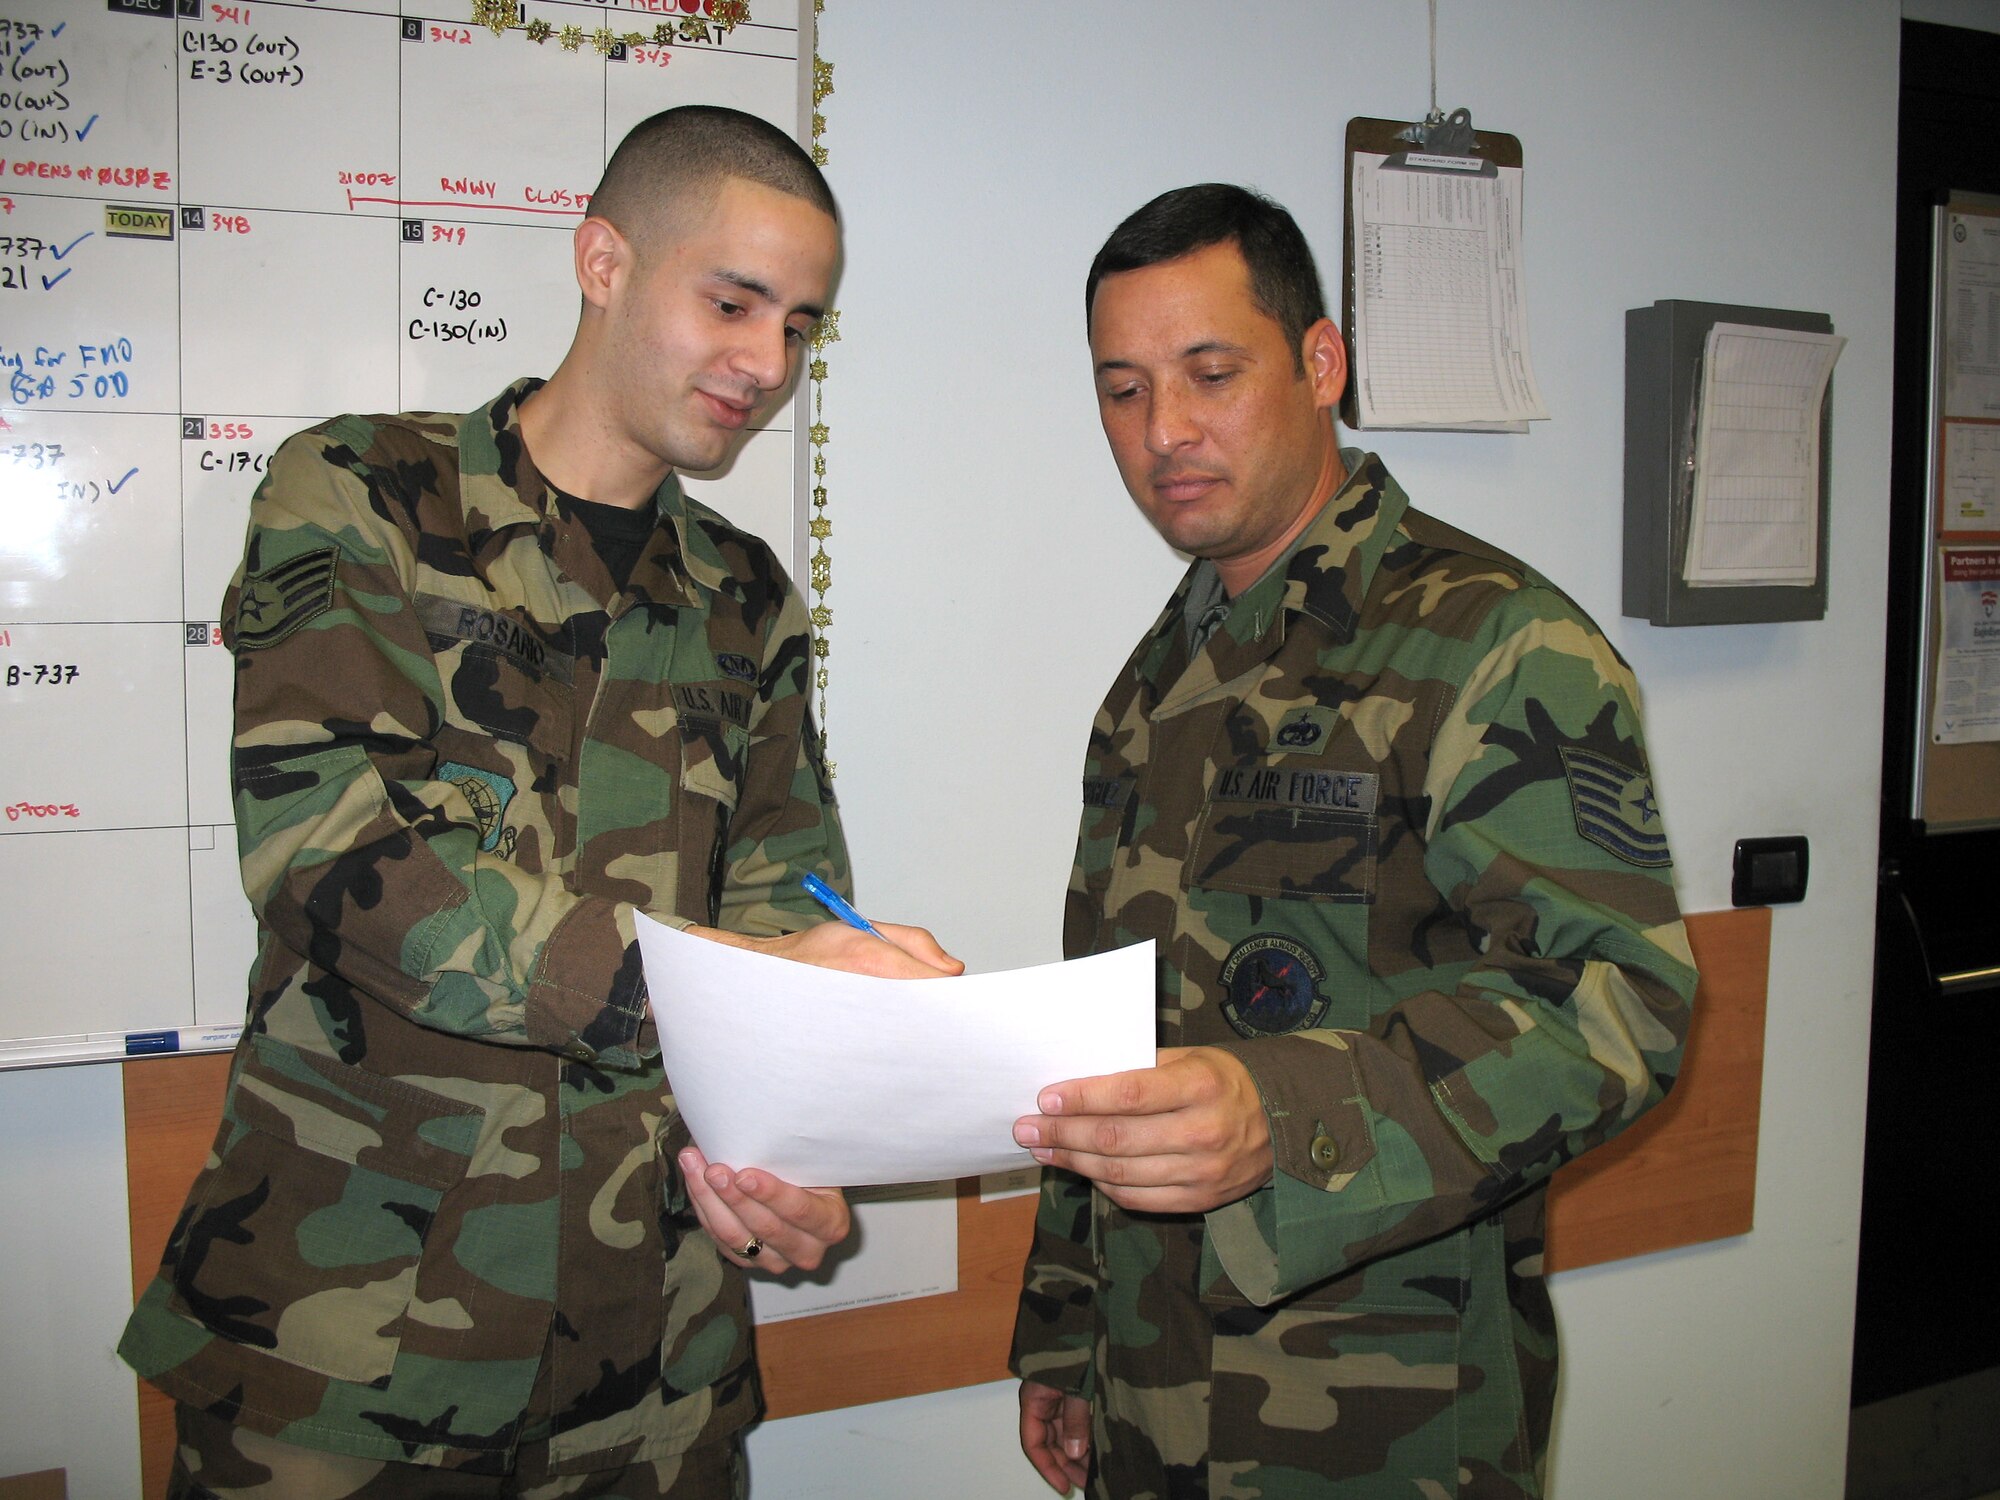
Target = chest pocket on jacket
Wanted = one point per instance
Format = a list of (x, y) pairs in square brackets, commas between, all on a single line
[(715, 739), (715, 746), (1287, 831), (502, 673)]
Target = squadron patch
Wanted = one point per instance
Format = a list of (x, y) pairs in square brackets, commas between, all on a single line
[(1304, 730), (1615, 808), (487, 791), (1270, 986), (281, 598)]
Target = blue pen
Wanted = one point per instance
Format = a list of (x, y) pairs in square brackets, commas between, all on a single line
[(832, 900)]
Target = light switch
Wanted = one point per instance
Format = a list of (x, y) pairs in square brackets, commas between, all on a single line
[(1769, 872)]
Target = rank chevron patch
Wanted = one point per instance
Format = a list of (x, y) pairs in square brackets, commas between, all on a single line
[(1615, 807), (280, 599)]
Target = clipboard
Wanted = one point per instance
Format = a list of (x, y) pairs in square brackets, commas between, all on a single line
[(1442, 149)]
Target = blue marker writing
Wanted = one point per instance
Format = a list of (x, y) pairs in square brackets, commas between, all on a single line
[(831, 899)]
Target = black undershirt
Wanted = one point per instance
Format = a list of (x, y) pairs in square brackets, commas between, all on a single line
[(618, 533)]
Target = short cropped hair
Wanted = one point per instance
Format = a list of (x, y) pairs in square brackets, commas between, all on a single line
[(1283, 279), (669, 168)]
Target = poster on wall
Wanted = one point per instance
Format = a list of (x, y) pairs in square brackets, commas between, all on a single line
[(1969, 487), (1968, 659), (1971, 315)]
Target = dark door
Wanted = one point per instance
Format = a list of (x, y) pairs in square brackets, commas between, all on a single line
[(1927, 1310)]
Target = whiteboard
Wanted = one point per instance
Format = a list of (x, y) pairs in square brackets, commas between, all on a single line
[(219, 223)]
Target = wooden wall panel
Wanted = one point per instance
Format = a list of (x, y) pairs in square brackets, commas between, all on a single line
[(172, 1106), (1684, 1174), (1687, 1172)]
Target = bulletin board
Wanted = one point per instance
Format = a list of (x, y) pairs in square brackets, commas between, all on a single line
[(222, 221), (1957, 786)]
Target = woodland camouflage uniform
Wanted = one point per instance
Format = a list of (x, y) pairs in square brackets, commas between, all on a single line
[(1393, 830), (443, 1216)]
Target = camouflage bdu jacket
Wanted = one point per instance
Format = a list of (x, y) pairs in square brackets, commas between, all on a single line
[(1394, 833), (442, 1215)]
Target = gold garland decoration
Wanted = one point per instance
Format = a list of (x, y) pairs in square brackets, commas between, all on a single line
[(828, 332), (719, 18)]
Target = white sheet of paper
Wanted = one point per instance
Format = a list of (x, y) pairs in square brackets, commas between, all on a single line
[(1440, 313), (1755, 517), (831, 1079)]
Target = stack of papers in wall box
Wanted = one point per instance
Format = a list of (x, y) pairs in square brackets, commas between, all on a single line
[(1754, 517), (830, 1079), (1440, 313)]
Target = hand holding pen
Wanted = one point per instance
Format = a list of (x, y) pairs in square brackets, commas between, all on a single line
[(755, 1219), (836, 903), (888, 950), (912, 942)]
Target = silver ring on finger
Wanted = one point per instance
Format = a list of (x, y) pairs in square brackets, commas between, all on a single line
[(752, 1249)]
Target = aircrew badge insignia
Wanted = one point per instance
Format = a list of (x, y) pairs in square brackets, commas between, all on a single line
[(1615, 807), (1304, 730), (487, 791), (736, 664), (1271, 985), (281, 598)]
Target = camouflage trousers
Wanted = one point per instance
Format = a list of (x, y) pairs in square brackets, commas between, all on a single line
[(217, 1460)]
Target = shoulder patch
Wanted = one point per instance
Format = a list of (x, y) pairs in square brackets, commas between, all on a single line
[(278, 600), (1615, 808)]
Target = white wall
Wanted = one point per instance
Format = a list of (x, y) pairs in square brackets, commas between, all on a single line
[(1978, 15), (65, 1281), (989, 575)]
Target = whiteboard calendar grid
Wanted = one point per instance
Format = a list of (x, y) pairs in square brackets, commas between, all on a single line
[(222, 221)]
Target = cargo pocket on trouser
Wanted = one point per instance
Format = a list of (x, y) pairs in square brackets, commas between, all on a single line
[(303, 1233), (1348, 1393)]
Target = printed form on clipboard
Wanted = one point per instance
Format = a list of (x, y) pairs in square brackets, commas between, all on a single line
[(1440, 313)]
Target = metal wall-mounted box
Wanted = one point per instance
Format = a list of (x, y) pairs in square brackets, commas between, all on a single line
[(1663, 354)]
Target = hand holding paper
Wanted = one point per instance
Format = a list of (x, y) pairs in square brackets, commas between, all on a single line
[(760, 1220), (1183, 1137)]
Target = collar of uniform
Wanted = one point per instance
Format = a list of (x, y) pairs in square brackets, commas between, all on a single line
[(490, 443), (1322, 576), (703, 534), (1325, 574)]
